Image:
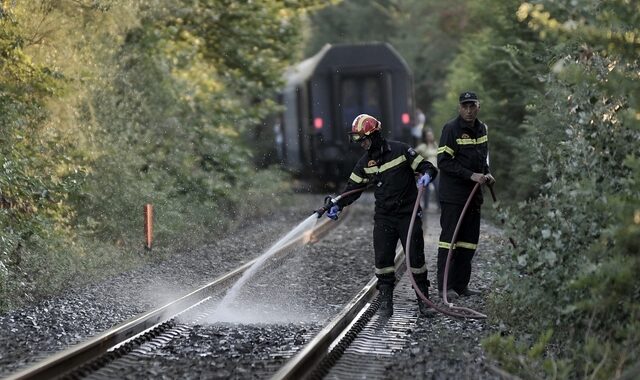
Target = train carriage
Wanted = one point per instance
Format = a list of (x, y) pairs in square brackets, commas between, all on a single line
[(324, 93)]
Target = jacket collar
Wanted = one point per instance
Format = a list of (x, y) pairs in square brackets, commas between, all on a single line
[(385, 147)]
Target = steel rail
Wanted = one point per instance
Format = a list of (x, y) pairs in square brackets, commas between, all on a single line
[(62, 362), (303, 364)]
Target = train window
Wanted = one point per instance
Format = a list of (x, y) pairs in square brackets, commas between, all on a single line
[(360, 94)]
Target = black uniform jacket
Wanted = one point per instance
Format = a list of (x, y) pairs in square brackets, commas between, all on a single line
[(463, 151), (392, 171)]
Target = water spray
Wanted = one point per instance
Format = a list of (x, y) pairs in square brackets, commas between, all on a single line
[(223, 309)]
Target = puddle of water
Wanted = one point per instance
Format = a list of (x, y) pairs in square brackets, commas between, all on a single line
[(223, 311)]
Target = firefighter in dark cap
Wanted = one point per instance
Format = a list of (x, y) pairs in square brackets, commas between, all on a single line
[(463, 161), (391, 168)]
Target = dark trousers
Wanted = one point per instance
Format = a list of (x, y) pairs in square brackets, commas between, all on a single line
[(465, 247), (387, 230)]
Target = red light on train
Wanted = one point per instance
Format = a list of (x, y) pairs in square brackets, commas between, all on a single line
[(406, 118), (317, 123)]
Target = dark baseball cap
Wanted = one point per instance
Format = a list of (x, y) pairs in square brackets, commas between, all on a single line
[(468, 96)]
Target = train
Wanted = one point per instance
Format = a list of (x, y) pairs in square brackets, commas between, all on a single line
[(322, 96)]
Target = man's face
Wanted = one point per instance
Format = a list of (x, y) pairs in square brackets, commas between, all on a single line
[(365, 143), (469, 111)]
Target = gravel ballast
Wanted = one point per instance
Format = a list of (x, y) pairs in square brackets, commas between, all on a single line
[(287, 304)]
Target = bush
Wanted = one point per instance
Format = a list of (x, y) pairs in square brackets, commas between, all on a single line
[(572, 284)]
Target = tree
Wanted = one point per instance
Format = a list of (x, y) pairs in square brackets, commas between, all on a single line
[(570, 283), (107, 105), (37, 155), (197, 79)]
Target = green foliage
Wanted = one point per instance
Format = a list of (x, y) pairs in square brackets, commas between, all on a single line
[(106, 105), (525, 358), (191, 88), (350, 21), (575, 269), (37, 172)]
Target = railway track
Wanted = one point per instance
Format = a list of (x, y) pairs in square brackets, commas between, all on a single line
[(356, 329), (354, 343), (159, 325)]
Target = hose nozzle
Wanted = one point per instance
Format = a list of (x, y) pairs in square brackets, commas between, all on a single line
[(328, 203)]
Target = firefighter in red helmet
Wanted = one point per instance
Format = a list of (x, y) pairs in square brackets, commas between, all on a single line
[(391, 167)]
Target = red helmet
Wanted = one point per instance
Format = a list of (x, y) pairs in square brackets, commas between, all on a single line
[(363, 125)]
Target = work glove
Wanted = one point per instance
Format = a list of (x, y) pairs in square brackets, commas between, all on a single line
[(334, 211), (424, 180)]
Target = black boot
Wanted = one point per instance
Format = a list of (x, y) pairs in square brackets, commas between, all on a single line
[(386, 301), (425, 310), (469, 292)]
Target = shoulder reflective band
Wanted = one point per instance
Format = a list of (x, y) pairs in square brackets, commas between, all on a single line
[(391, 164)]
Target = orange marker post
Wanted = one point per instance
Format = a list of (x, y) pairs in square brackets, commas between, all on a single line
[(148, 226)]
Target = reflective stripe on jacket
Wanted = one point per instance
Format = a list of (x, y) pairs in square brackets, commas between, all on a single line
[(393, 175), (463, 151)]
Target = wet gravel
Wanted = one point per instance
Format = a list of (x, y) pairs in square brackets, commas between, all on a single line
[(278, 312), (450, 348)]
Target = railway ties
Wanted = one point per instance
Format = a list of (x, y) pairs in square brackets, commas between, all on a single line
[(149, 331), (372, 350), (193, 347), (367, 354), (359, 343)]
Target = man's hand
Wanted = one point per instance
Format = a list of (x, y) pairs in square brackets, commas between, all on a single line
[(489, 178), (424, 180), (477, 177), (334, 212), (329, 203)]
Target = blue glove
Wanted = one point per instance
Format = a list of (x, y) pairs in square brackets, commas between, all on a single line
[(334, 211), (424, 180)]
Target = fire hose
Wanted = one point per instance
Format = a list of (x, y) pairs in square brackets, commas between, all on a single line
[(454, 311)]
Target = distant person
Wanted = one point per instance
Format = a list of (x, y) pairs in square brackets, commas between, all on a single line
[(463, 162), (391, 167), (429, 150), (418, 127)]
